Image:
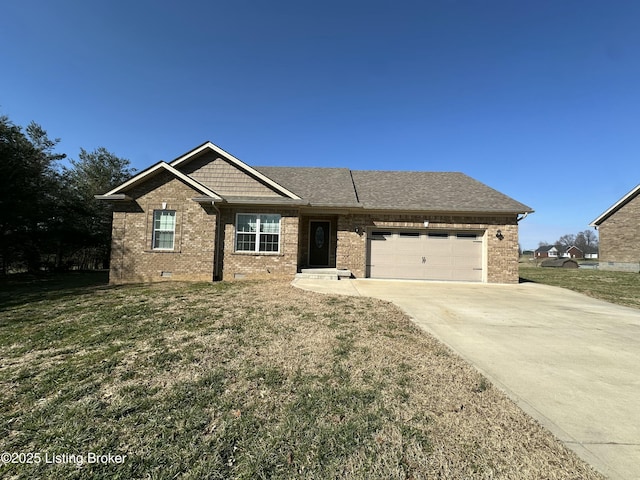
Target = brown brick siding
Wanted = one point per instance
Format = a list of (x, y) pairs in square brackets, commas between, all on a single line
[(133, 259), (132, 256), (620, 238)]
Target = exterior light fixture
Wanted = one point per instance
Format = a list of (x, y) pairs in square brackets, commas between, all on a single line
[(499, 235)]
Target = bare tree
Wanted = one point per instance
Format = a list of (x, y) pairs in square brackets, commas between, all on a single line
[(566, 241), (587, 241)]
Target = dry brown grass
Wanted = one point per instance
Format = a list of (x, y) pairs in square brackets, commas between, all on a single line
[(474, 430), (259, 380)]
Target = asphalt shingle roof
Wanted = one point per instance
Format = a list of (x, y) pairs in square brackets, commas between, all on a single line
[(320, 186), (436, 191), (393, 190)]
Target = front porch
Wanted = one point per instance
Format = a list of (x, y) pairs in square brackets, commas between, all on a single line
[(324, 273), (332, 241), (317, 242)]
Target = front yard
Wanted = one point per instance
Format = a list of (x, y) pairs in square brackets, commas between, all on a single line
[(622, 288), (247, 380)]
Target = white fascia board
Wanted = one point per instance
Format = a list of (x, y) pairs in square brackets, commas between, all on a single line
[(118, 196), (154, 169), (615, 207), (237, 162)]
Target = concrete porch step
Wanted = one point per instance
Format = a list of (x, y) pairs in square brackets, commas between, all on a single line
[(324, 273)]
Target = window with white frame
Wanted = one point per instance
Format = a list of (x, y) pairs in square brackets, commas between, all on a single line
[(257, 233), (164, 229)]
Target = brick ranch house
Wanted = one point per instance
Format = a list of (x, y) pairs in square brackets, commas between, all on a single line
[(619, 232), (209, 216)]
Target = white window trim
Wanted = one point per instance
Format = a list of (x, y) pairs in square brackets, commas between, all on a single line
[(173, 238), (257, 233)]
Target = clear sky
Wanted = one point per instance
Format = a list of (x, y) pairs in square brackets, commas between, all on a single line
[(537, 99)]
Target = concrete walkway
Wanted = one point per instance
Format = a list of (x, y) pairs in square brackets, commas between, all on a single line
[(570, 361)]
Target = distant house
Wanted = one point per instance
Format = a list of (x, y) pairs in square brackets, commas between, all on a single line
[(585, 252), (573, 252), (590, 253), (547, 251), (619, 229)]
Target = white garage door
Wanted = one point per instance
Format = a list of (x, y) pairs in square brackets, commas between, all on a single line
[(425, 255)]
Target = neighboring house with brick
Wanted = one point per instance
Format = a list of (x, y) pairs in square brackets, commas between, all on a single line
[(573, 252), (619, 232), (207, 216), (585, 252), (547, 251)]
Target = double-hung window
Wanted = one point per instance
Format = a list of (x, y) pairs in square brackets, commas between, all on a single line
[(257, 233), (164, 229)]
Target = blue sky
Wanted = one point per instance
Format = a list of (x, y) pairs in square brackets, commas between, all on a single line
[(540, 100)]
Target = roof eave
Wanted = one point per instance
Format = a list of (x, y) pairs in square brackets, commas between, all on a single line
[(118, 197), (266, 201), (449, 211), (154, 170), (615, 207)]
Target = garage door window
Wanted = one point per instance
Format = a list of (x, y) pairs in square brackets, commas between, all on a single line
[(379, 235)]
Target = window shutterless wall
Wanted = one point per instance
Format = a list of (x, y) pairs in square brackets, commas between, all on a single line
[(164, 229), (135, 260), (260, 264), (257, 233)]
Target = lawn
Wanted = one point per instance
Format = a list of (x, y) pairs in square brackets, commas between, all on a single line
[(246, 380), (622, 288)]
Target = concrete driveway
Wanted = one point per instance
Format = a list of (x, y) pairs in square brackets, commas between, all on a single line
[(570, 361)]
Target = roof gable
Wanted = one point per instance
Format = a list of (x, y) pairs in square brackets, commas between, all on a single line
[(151, 172), (227, 179), (182, 162), (616, 206), (547, 248)]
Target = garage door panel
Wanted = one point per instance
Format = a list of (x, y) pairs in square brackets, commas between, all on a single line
[(436, 272), (466, 261), (467, 275), (426, 255)]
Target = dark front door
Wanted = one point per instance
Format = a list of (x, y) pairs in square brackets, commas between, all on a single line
[(319, 243)]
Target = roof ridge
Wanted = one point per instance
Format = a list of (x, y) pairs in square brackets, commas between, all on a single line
[(414, 171), (301, 167)]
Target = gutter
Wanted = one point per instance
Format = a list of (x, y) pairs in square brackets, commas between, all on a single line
[(216, 242), (252, 201), (113, 197)]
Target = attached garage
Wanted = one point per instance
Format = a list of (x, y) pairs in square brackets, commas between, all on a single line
[(425, 255)]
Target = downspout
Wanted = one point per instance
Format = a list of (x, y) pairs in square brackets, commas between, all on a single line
[(216, 249)]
